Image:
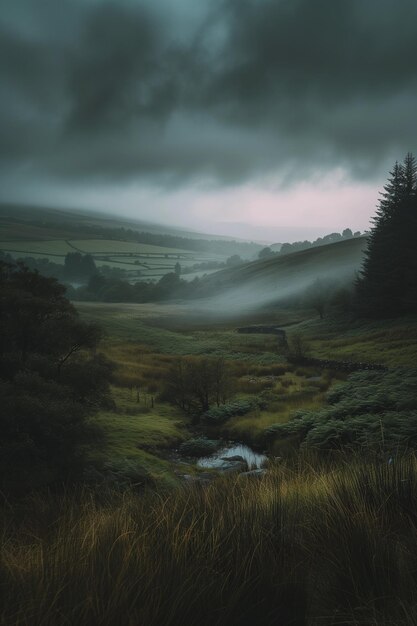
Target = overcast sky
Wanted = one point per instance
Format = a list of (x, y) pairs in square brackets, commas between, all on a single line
[(267, 119)]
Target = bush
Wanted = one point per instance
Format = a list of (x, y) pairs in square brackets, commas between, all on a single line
[(372, 410), (220, 414), (199, 446)]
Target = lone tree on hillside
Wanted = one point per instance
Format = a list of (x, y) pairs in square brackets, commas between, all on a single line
[(387, 285)]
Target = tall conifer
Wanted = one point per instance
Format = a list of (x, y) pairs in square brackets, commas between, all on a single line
[(387, 286)]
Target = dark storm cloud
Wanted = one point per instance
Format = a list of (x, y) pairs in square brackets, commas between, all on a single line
[(342, 74), (132, 89), (121, 71)]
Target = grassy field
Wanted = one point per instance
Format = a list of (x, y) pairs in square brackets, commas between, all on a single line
[(390, 342), (334, 545), (144, 341), (190, 329), (135, 432), (178, 329), (146, 261), (50, 234)]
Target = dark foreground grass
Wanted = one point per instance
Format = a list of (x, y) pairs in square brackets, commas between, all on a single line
[(315, 547)]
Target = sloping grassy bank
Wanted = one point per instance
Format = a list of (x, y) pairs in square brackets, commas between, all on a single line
[(391, 342), (334, 545)]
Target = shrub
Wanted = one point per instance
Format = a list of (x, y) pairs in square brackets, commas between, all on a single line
[(200, 446), (220, 414), (372, 410)]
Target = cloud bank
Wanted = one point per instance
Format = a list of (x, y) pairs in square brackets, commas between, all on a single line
[(227, 92), (126, 90)]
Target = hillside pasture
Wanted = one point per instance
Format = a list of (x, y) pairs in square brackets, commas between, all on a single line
[(140, 260), (54, 249), (111, 246), (145, 339), (388, 342)]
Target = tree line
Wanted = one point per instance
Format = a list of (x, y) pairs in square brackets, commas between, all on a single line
[(298, 246)]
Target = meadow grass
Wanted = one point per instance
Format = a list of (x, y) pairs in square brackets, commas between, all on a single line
[(111, 252), (330, 544), (112, 246), (286, 391), (175, 329), (52, 246), (150, 325), (256, 363), (389, 342), (135, 434), (252, 426), (136, 423), (144, 341)]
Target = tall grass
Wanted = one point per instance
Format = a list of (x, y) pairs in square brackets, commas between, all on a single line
[(302, 546)]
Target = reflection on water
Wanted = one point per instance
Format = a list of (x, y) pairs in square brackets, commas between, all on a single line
[(217, 460)]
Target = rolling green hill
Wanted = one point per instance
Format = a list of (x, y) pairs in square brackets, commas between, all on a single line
[(20, 222), (143, 250), (259, 282)]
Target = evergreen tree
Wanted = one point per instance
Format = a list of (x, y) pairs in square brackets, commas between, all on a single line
[(387, 286)]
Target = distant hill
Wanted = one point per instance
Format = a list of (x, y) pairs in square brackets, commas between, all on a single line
[(143, 251), (254, 284), (24, 222)]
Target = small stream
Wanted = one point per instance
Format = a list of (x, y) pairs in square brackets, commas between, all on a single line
[(218, 460)]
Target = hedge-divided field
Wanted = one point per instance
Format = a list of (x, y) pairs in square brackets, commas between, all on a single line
[(142, 261)]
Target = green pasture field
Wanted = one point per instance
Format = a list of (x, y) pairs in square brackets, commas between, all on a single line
[(166, 328), (53, 248), (23, 232), (110, 246), (89, 246), (147, 261), (163, 328), (144, 339)]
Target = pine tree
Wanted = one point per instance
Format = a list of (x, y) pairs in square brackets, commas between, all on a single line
[(392, 194), (387, 286)]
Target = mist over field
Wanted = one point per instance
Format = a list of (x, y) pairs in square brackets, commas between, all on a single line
[(282, 279)]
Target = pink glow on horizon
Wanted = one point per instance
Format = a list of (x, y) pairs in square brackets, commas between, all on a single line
[(311, 208), (251, 210)]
